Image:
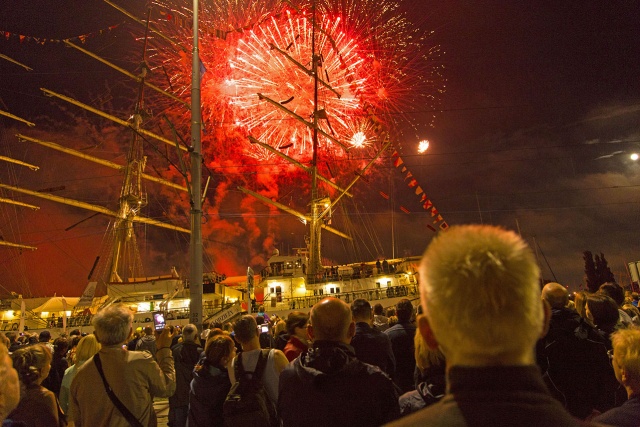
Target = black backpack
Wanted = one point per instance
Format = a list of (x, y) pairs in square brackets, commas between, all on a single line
[(247, 403)]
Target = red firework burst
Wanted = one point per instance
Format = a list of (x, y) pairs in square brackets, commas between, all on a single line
[(273, 61), (373, 65)]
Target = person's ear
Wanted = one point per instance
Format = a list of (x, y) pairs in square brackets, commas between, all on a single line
[(623, 375), (427, 333), (546, 307), (310, 331), (352, 329)]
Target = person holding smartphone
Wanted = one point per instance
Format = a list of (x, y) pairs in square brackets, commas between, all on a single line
[(134, 378)]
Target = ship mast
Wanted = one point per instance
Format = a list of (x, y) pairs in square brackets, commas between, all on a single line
[(315, 261), (125, 259), (320, 206)]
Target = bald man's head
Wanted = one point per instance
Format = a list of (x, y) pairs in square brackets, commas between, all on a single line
[(555, 294), (331, 320)]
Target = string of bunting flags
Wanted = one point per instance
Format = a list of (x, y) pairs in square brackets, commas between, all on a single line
[(43, 40), (180, 20), (426, 203)]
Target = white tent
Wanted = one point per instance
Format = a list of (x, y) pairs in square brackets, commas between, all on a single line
[(56, 304)]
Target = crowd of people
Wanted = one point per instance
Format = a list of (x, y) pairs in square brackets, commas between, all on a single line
[(484, 346)]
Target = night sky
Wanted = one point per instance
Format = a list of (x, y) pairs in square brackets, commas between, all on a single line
[(534, 131)]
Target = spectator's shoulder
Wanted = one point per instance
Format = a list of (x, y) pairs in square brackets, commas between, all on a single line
[(392, 329), (139, 357), (433, 415)]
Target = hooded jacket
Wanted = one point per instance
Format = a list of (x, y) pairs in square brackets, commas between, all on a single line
[(185, 355), (147, 343), (328, 385), (209, 389), (381, 322)]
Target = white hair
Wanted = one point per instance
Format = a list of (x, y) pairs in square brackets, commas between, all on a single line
[(480, 292), (113, 324), (189, 332)]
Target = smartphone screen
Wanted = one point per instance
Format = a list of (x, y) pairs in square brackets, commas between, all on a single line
[(264, 328), (158, 321)]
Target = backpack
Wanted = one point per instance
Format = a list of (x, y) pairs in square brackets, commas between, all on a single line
[(247, 403)]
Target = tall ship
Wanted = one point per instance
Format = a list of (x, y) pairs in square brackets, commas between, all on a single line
[(305, 99)]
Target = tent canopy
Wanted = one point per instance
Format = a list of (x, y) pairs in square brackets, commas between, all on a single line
[(55, 304)]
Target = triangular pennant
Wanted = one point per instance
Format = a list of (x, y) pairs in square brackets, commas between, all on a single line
[(444, 226), (412, 183), (397, 162), (404, 169), (427, 205), (419, 190), (423, 198), (409, 175), (434, 212)]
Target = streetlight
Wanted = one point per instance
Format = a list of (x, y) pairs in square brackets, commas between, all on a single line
[(634, 156)]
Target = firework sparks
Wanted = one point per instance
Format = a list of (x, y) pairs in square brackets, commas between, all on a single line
[(373, 67), (368, 78), (423, 146)]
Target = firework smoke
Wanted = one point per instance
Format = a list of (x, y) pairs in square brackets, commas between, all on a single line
[(373, 67)]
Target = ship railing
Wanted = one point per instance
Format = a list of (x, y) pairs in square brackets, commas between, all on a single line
[(295, 303)]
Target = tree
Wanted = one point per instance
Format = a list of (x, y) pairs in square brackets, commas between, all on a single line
[(602, 266), (597, 270), (590, 271)]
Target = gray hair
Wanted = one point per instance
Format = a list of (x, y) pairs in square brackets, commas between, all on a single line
[(189, 332), (113, 325)]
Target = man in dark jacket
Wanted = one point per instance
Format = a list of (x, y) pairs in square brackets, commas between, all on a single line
[(371, 345), (401, 335), (479, 288), (573, 358), (327, 384), (185, 355)]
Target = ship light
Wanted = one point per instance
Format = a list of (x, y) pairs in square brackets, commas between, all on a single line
[(143, 307)]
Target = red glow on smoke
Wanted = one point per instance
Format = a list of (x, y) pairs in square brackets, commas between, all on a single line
[(375, 63)]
